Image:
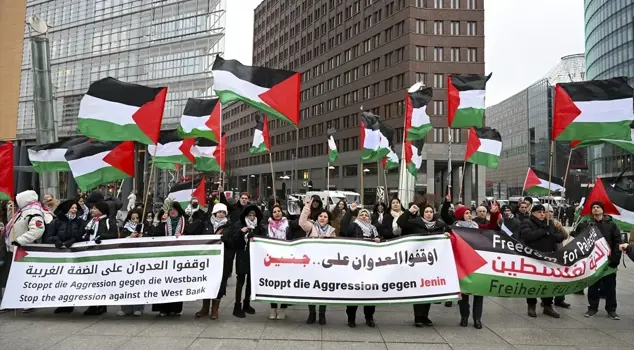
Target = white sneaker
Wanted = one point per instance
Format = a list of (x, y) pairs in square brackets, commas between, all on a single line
[(121, 313), (281, 314), (273, 314), (137, 313)]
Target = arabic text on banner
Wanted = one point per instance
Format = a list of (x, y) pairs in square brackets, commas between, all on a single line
[(504, 266), (129, 271), (411, 269)]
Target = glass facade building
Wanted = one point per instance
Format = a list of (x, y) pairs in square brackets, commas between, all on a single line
[(157, 43), (609, 32)]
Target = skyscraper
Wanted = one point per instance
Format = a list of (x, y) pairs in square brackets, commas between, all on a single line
[(354, 54)]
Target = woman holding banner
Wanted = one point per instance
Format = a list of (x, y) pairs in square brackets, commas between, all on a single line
[(388, 226), (361, 228), (133, 228), (278, 227), (427, 224), (320, 228)]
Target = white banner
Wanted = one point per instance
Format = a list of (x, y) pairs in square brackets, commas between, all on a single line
[(130, 271), (412, 269)]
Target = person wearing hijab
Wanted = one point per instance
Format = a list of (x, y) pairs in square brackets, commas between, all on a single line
[(362, 228), (242, 231), (172, 224), (216, 224), (427, 224), (133, 228), (66, 229), (318, 228), (278, 227), (316, 207)]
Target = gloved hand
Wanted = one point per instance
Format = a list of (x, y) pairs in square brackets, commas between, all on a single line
[(98, 240), (58, 243), (15, 243), (69, 243)]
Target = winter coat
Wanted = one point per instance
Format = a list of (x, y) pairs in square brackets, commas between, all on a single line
[(106, 228), (31, 223), (385, 228), (414, 224), (450, 219), (239, 240), (235, 209), (513, 224), (610, 232), (336, 223), (308, 225), (63, 230), (630, 251), (314, 212), (539, 235), (522, 217), (355, 231)]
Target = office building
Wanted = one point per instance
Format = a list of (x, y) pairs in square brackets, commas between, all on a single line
[(157, 43), (525, 122), (353, 54), (609, 53)]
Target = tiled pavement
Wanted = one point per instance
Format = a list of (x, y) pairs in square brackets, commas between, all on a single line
[(505, 321)]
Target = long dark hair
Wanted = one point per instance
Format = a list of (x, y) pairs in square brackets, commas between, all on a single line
[(338, 213)]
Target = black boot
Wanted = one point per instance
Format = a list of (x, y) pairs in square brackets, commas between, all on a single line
[(477, 324), (464, 321), (246, 306), (531, 311), (91, 311), (322, 319), (352, 322), (101, 310), (238, 312), (311, 318)]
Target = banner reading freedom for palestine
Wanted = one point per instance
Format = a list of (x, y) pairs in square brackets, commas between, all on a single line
[(503, 266), (410, 269), (116, 272)]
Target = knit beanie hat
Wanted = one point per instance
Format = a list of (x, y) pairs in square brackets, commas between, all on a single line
[(599, 203), (460, 211), (103, 207)]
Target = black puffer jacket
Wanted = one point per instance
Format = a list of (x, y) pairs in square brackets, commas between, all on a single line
[(414, 224), (63, 231), (239, 240), (539, 235), (610, 232)]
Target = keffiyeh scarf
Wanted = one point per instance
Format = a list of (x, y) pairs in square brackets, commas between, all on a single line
[(169, 227), (130, 226), (216, 223), (277, 228), (369, 231)]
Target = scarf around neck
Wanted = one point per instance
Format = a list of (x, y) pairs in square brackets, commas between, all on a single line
[(130, 226), (277, 228), (217, 223), (380, 218), (251, 224), (396, 229), (322, 230), (172, 229), (429, 224), (369, 231)]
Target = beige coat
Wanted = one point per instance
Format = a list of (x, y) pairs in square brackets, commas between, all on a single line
[(309, 225)]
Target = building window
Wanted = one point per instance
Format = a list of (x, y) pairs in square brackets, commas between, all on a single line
[(420, 53), (350, 170), (471, 4), (438, 4), (439, 107), (455, 135), (438, 54), (421, 77), (420, 26), (455, 54), (420, 3), (455, 4), (471, 28), (439, 135), (439, 80), (455, 27), (472, 54), (438, 27)]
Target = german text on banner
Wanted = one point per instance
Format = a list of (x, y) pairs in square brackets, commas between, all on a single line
[(411, 269), (131, 271), (504, 266)]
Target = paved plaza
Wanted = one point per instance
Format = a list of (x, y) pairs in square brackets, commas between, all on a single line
[(506, 326)]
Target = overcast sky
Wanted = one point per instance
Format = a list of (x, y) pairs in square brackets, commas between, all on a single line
[(523, 39)]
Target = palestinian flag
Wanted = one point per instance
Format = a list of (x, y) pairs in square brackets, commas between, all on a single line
[(618, 203), (465, 100), (414, 156), (536, 182), (592, 110), (222, 151), (206, 155), (113, 110), (271, 91), (50, 157), (95, 163), (628, 146), (333, 154), (201, 118), (375, 138), (417, 122), (391, 161), (261, 138), (184, 192), (7, 191), (200, 193), (172, 149), (484, 147)]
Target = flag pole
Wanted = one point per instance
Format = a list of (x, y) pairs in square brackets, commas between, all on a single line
[(387, 195), (567, 168), (449, 170), (147, 191), (361, 185), (464, 165), (328, 177), (272, 177), (379, 166), (550, 174)]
